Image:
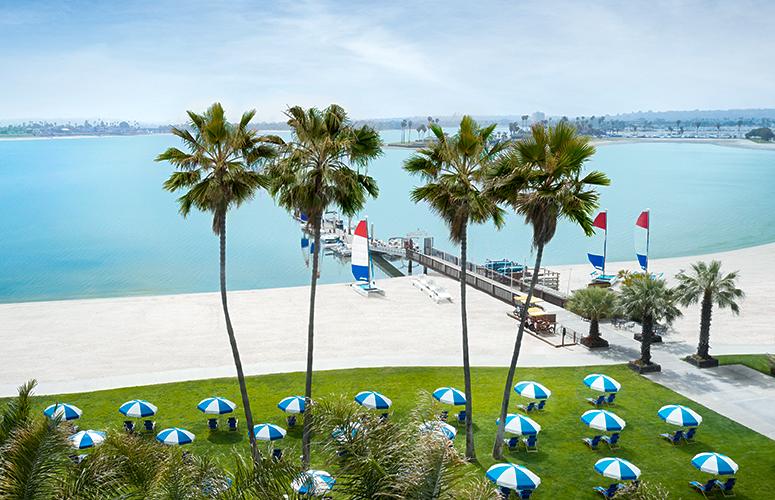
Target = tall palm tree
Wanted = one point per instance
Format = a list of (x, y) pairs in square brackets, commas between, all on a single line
[(650, 300), (454, 169), (218, 171), (542, 178), (315, 172), (708, 285), (594, 304)]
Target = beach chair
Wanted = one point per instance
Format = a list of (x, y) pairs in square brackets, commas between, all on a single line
[(703, 488), (461, 417), (149, 425), (540, 405), (674, 438), (277, 454), (689, 435), (512, 443), (610, 491), (599, 401), (232, 423), (129, 426), (612, 440), (77, 459), (444, 415), (291, 420), (524, 493), (610, 399), (527, 409), (531, 443), (505, 493), (383, 417), (726, 487), (592, 442), (212, 424)]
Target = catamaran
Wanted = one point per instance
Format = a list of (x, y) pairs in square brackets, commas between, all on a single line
[(599, 277), (362, 264)]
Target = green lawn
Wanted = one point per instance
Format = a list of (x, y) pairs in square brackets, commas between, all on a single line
[(563, 462), (758, 362)]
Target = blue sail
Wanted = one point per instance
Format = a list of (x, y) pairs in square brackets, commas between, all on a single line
[(597, 261), (643, 260)]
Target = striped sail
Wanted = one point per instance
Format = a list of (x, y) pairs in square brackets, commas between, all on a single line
[(360, 252), (642, 228), (598, 260)]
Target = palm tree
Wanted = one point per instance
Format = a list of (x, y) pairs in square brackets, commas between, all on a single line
[(219, 171), (594, 304), (542, 179), (455, 169), (314, 173), (649, 300), (706, 284)]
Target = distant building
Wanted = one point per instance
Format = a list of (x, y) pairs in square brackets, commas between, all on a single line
[(537, 117)]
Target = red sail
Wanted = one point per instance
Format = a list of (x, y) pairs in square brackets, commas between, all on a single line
[(643, 220), (601, 221)]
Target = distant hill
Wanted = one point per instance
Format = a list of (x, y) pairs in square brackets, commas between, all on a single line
[(698, 114)]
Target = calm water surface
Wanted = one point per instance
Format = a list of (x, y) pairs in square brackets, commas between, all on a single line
[(88, 218)]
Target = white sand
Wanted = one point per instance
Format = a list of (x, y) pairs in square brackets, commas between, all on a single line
[(755, 323)]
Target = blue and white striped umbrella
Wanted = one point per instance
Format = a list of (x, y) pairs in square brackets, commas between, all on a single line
[(714, 463), (268, 432), (64, 411), (520, 425), (313, 483), (86, 439), (292, 404), (449, 396), (138, 408), (439, 428), (602, 383), (679, 415), (373, 400), (216, 406), (532, 390), (617, 468), (175, 436), (603, 420), (339, 432), (513, 476)]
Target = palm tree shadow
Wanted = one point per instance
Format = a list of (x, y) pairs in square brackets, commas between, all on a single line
[(225, 437)]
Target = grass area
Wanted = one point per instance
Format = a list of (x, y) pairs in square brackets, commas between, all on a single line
[(563, 462), (758, 362)]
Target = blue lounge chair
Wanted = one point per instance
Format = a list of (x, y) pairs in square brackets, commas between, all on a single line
[(212, 424), (527, 409), (232, 423), (674, 438), (505, 493), (383, 417), (444, 415), (461, 417), (524, 493), (129, 426), (592, 442), (599, 401), (291, 420), (531, 443), (612, 440), (541, 405), (277, 453), (703, 488), (512, 443), (610, 399), (149, 425), (689, 435), (726, 487), (610, 491)]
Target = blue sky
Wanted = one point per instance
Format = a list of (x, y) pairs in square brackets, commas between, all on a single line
[(150, 61)]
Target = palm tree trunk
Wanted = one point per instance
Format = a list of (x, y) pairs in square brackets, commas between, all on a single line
[(594, 329), (307, 432), (497, 450), (705, 316), (243, 388), (470, 452), (647, 334)]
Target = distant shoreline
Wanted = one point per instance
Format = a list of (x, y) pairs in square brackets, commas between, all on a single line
[(63, 137)]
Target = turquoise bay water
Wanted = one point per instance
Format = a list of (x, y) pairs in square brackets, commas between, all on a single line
[(88, 218)]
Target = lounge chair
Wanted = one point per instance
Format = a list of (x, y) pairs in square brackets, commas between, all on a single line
[(461, 417), (703, 488), (610, 399), (674, 438), (527, 409), (277, 453), (531, 443), (232, 423), (291, 420), (512, 443), (726, 487), (212, 424), (383, 417), (592, 442), (77, 459), (689, 435), (524, 493), (444, 415), (129, 426), (610, 491), (505, 493), (540, 405), (599, 401), (612, 440), (149, 425)]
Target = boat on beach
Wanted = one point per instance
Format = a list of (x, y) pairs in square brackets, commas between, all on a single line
[(362, 264)]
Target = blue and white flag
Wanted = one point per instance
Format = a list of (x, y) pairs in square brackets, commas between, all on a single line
[(373, 400), (292, 404), (679, 415), (449, 396), (617, 468), (216, 406), (138, 408), (532, 390), (513, 476), (603, 420), (714, 463), (175, 436), (63, 411), (601, 383)]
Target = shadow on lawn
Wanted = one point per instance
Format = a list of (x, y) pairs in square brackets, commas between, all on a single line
[(220, 437)]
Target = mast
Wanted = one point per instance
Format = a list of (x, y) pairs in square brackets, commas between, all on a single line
[(605, 240), (648, 234)]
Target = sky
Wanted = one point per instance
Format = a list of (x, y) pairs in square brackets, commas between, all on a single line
[(151, 61)]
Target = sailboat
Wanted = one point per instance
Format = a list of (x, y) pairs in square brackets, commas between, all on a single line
[(642, 229), (362, 265), (599, 277), (305, 249)]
